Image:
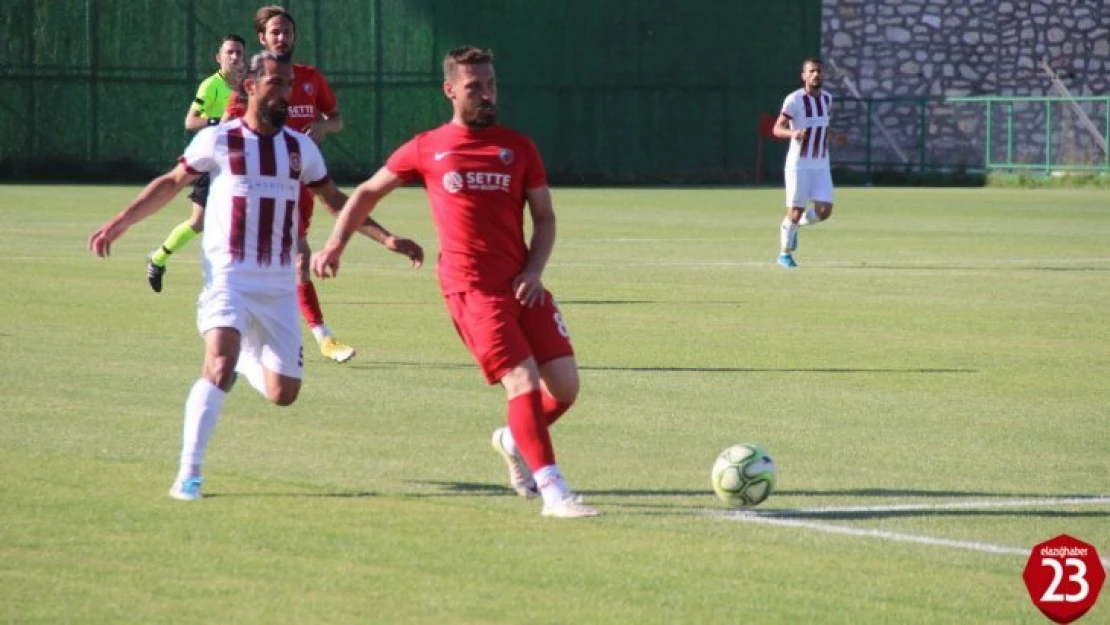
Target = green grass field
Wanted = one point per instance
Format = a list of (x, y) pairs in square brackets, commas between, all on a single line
[(945, 350)]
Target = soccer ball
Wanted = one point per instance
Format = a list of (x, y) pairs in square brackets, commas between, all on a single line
[(743, 475)]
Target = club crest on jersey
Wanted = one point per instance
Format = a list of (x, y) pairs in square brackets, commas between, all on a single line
[(295, 161), (506, 155), (452, 182), (308, 88)]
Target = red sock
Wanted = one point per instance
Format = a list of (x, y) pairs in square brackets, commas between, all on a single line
[(553, 408), (529, 429), (310, 304)]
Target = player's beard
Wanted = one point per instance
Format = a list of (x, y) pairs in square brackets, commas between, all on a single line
[(286, 57), (274, 115), (483, 117)]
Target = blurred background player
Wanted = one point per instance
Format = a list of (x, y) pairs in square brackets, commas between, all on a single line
[(247, 312), (805, 121), (314, 111), (206, 110), (478, 176)]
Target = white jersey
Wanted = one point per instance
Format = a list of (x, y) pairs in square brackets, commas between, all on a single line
[(813, 112), (250, 220)]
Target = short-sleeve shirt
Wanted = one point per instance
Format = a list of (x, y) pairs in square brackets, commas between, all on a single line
[(250, 221), (475, 181), (212, 96), (813, 112), (311, 97)]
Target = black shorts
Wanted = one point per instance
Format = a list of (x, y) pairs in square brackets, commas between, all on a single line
[(199, 194)]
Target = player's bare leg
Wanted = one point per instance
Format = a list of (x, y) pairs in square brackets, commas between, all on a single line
[(313, 314), (820, 212)]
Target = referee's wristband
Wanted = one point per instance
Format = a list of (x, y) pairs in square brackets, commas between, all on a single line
[(213, 121)]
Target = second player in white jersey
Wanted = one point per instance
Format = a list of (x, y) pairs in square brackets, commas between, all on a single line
[(805, 111), (805, 120)]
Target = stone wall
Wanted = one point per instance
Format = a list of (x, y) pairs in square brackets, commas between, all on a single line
[(928, 49)]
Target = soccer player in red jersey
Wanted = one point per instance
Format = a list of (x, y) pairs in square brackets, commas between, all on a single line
[(479, 176), (314, 111)]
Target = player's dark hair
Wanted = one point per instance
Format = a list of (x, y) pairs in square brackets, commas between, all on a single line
[(813, 60), (267, 13), (464, 55), (233, 37), (257, 68)]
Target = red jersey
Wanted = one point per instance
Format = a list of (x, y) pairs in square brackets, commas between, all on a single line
[(312, 97), (475, 180)]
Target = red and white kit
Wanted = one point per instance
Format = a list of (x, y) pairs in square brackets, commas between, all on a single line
[(475, 180)]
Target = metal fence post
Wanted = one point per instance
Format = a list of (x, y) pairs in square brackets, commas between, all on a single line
[(1047, 137), (867, 140), (1010, 134), (923, 119), (987, 143)]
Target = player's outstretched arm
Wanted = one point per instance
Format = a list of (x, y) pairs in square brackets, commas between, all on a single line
[(333, 199), (150, 200), (352, 217)]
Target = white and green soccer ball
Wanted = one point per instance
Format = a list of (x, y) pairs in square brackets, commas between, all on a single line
[(743, 475)]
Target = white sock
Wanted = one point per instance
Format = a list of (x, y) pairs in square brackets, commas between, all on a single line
[(809, 217), (786, 235), (552, 486), (202, 410), (320, 332), (250, 368)]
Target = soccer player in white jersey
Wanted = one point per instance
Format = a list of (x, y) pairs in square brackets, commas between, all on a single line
[(247, 312), (805, 121)]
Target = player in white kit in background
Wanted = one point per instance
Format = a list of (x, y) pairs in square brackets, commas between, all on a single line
[(805, 120), (248, 312)]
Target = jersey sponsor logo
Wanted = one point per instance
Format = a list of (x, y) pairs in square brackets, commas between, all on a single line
[(454, 181), (302, 110), (268, 186), (506, 155), (439, 156)]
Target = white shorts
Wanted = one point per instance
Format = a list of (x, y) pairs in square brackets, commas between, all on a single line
[(808, 185), (269, 325)]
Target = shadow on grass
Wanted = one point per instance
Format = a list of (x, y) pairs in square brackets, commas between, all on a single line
[(904, 492), (665, 369), (896, 513), (336, 495)]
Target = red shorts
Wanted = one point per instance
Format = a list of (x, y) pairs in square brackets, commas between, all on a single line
[(501, 333), (304, 210)]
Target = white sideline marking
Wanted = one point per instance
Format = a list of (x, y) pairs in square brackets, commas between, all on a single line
[(780, 518)]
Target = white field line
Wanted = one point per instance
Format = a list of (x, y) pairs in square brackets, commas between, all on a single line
[(950, 505), (780, 518)]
